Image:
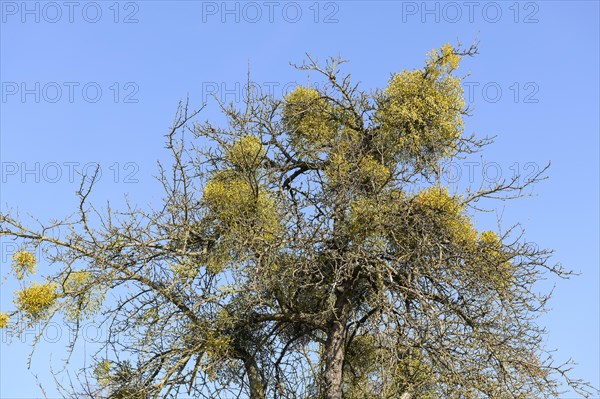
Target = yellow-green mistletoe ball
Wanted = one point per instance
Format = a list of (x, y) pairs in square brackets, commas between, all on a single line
[(245, 209), (421, 112), (36, 299), (246, 153), (84, 299), (24, 263), (448, 213), (308, 118), (4, 320)]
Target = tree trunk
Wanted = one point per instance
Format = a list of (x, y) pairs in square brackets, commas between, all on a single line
[(334, 360), (255, 380), (334, 351)]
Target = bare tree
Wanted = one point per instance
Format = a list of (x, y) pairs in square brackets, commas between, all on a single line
[(307, 249)]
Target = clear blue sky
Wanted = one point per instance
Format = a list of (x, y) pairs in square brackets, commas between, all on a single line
[(534, 85)]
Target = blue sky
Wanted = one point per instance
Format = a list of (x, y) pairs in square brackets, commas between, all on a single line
[(99, 82)]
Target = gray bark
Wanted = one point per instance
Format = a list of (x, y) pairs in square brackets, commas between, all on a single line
[(255, 380), (335, 350)]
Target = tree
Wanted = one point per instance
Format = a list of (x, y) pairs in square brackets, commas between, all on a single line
[(307, 249)]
